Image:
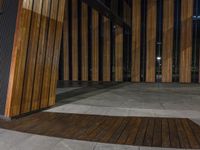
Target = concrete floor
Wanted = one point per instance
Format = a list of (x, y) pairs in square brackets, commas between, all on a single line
[(127, 99)]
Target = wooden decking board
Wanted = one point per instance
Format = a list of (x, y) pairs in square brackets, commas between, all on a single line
[(157, 137), (138, 131), (149, 133), (165, 133)]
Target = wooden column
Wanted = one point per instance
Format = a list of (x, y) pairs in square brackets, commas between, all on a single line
[(151, 40), (168, 30), (106, 50), (65, 55), (95, 45), (34, 64), (186, 41), (136, 35), (118, 53), (84, 37), (74, 40)]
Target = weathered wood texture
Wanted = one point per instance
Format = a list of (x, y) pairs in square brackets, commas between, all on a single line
[(168, 30), (34, 65), (151, 40), (136, 38), (186, 41)]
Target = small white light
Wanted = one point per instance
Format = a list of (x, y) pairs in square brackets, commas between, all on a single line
[(159, 58)]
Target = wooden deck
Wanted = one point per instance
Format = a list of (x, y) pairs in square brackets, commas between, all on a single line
[(140, 131)]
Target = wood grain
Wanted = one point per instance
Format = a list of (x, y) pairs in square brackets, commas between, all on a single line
[(151, 40), (65, 55), (35, 56), (186, 41), (136, 38), (118, 54), (95, 45), (84, 37), (168, 30), (106, 50), (74, 24)]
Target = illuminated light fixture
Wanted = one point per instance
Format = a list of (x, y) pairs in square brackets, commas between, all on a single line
[(158, 58)]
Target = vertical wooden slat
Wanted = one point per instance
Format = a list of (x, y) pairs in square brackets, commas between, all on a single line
[(118, 53), (151, 40), (168, 29), (106, 50), (95, 45), (13, 66), (18, 65), (49, 55), (136, 35), (74, 40), (186, 41), (65, 55), (84, 37), (39, 69), (56, 56), (31, 57)]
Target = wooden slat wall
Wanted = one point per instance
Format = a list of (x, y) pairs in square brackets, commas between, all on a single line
[(136, 35), (151, 40), (168, 30), (49, 54), (34, 65), (74, 40), (95, 45), (84, 37), (118, 54), (65, 56), (106, 50), (186, 41), (39, 69), (31, 57)]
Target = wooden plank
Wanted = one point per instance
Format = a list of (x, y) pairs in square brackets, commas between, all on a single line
[(65, 56), (157, 137), (49, 55), (84, 37), (191, 137), (141, 132), (182, 135), (165, 133), (136, 38), (31, 57), (106, 50), (14, 61), (168, 30), (18, 65), (95, 45), (148, 140), (186, 41), (39, 68), (56, 54), (174, 140), (74, 25), (151, 40), (118, 54)]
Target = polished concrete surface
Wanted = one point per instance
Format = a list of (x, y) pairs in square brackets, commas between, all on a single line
[(127, 99)]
